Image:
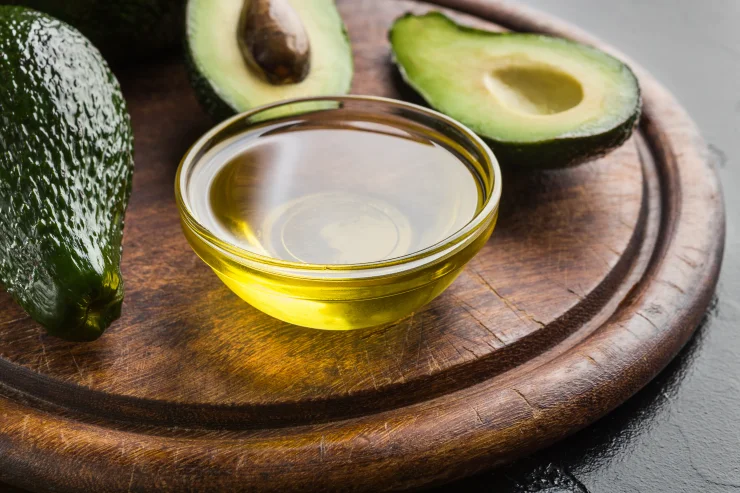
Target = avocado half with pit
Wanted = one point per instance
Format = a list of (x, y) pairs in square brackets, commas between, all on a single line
[(226, 84), (539, 101)]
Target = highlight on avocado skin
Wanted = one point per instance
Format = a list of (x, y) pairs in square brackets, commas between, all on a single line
[(65, 176), (225, 83), (273, 41), (339, 218), (538, 101)]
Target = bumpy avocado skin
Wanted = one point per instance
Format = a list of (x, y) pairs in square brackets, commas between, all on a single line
[(561, 152), (66, 164), (121, 29)]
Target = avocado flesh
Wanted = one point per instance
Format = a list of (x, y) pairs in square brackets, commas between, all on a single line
[(538, 101), (226, 85), (66, 164), (121, 29)]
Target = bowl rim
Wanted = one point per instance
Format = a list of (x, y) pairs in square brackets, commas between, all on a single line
[(489, 209)]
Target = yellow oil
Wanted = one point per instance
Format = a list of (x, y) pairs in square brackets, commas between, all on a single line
[(334, 193), (356, 194)]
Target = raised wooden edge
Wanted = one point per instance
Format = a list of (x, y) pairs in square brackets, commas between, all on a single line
[(455, 434)]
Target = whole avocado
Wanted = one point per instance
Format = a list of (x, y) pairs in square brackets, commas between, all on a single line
[(66, 164), (120, 29)]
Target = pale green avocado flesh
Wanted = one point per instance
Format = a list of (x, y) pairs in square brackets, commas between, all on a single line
[(539, 101), (226, 85)]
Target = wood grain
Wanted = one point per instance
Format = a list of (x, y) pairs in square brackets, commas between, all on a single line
[(592, 281)]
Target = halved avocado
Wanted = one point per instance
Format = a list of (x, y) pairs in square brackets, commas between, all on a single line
[(226, 84), (539, 101)]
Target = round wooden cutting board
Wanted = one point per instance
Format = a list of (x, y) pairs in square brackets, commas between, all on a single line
[(594, 278)]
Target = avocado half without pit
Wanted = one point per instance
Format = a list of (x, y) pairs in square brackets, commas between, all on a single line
[(539, 101), (247, 53)]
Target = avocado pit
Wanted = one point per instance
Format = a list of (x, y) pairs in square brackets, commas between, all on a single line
[(273, 41)]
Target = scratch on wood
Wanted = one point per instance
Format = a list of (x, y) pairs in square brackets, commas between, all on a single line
[(372, 375), (648, 320), (431, 355), (481, 324), (590, 359), (625, 327), (351, 449), (611, 249), (131, 479), (471, 352), (673, 285), (490, 344), (421, 341), (79, 370), (470, 311), (580, 296), (454, 346), (322, 448), (565, 287), (402, 352), (687, 261), (9, 322), (625, 223), (596, 254), (176, 457), (477, 415), (515, 309), (535, 411), (43, 356), (24, 428), (689, 247)]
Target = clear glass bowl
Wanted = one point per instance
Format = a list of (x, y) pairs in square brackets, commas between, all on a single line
[(343, 297)]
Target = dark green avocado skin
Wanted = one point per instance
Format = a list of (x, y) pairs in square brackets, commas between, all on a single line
[(121, 29), (66, 164), (211, 102), (563, 152)]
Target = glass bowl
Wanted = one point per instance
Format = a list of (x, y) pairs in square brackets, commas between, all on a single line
[(350, 296)]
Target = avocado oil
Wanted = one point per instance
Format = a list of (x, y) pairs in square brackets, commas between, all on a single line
[(350, 214), (328, 192)]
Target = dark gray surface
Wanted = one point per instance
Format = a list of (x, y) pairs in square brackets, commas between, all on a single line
[(682, 432)]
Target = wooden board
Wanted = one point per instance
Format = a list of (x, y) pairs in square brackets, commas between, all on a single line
[(593, 280)]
